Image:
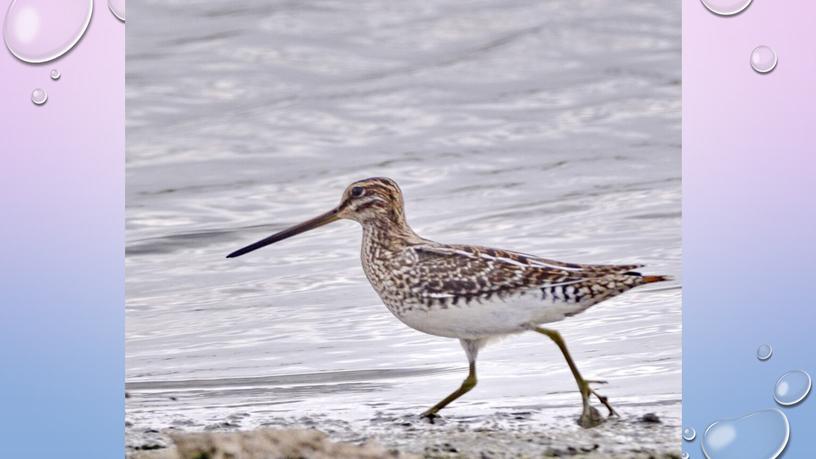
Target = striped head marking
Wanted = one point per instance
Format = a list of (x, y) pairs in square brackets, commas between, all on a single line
[(374, 201), (371, 200)]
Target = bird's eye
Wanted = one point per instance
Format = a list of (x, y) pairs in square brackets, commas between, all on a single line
[(357, 191)]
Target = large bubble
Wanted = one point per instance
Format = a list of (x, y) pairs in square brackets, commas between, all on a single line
[(42, 30)]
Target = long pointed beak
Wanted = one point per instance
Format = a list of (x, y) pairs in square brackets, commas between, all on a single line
[(316, 222)]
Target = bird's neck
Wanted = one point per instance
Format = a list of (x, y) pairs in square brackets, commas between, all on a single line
[(383, 243), (389, 233)]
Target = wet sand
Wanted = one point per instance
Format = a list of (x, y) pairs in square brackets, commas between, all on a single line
[(510, 434)]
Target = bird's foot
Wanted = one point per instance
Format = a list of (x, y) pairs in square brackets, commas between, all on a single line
[(430, 415), (590, 418)]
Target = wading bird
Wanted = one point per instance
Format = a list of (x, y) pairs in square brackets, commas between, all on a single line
[(470, 293)]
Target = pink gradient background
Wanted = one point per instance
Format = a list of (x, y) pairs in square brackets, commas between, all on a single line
[(749, 170), (62, 249)]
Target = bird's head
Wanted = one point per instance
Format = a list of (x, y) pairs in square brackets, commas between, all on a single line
[(369, 202)]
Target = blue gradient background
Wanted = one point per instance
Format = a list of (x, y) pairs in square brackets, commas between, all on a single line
[(749, 181), (62, 250)]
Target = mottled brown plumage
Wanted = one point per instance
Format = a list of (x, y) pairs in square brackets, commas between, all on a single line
[(467, 292)]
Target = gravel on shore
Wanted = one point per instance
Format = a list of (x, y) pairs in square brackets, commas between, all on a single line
[(501, 436)]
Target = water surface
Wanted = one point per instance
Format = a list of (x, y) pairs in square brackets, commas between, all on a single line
[(546, 127)]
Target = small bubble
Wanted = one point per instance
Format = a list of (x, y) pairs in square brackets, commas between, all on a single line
[(792, 387), (763, 59), (117, 7), (764, 352), (684, 455), (726, 7), (762, 433), (42, 30), (689, 434), (55, 74), (39, 96)]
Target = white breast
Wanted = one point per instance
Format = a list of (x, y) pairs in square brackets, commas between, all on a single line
[(486, 318)]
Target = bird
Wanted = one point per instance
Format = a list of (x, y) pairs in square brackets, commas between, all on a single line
[(471, 293)]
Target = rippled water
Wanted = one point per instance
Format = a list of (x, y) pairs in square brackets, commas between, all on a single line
[(545, 127)]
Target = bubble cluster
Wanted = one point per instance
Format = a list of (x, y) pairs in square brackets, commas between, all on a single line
[(763, 433), (763, 58)]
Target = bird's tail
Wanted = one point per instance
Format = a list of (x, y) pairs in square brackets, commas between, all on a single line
[(640, 279), (653, 279)]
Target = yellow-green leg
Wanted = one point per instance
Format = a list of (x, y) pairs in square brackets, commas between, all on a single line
[(468, 384), (590, 416)]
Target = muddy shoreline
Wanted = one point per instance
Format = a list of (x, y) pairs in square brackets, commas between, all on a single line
[(510, 434)]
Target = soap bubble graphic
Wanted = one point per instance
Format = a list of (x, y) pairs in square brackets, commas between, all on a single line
[(763, 59), (763, 433), (39, 96), (764, 352), (726, 7), (689, 434), (38, 31), (684, 455), (792, 387), (55, 74), (117, 7)]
